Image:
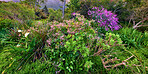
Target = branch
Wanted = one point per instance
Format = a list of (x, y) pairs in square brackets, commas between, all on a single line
[(111, 60), (135, 26), (99, 51), (142, 25), (129, 58), (123, 63)]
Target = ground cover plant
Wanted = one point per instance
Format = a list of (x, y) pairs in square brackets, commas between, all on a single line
[(92, 40)]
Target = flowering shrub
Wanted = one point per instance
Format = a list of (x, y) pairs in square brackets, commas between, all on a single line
[(60, 30), (105, 18)]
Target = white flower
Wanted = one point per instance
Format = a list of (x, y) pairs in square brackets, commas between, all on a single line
[(19, 30), (18, 45), (26, 34)]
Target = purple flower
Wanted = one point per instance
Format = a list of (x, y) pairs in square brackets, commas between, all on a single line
[(116, 27), (105, 18), (93, 8), (106, 28), (89, 12), (73, 13)]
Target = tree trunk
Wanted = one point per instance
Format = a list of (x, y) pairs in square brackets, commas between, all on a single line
[(64, 7)]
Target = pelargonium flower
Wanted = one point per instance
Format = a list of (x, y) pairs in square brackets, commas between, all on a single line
[(105, 18)]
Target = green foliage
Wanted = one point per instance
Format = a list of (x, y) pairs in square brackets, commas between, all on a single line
[(5, 58), (55, 15), (6, 23), (68, 43), (73, 5), (97, 66), (16, 11), (37, 67), (134, 38), (113, 37), (68, 46), (134, 3), (41, 13), (9, 64), (77, 45)]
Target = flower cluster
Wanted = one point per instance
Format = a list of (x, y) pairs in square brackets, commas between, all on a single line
[(105, 18)]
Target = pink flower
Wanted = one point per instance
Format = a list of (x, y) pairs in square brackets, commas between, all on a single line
[(73, 13), (49, 42), (19, 35), (62, 37)]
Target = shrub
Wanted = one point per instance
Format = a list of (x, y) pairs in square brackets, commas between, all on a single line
[(71, 42)]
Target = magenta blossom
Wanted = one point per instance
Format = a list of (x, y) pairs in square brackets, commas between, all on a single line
[(104, 18), (73, 13)]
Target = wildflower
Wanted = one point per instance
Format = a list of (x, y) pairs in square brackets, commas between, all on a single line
[(49, 42), (18, 45), (19, 35), (73, 13), (19, 30), (39, 22), (68, 31), (26, 34), (62, 37)]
